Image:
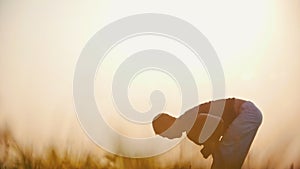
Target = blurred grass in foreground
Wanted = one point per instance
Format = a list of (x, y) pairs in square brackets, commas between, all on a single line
[(15, 156)]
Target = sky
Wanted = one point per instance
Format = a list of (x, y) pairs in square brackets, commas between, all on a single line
[(257, 43)]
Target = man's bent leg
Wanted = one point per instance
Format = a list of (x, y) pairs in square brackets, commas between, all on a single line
[(235, 144)]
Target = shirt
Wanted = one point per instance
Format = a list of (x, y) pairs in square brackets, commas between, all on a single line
[(230, 112)]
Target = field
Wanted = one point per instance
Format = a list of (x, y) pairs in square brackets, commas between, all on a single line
[(14, 155)]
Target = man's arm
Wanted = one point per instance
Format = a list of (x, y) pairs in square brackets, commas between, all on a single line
[(212, 143)]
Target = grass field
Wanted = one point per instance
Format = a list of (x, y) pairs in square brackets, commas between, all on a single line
[(14, 155)]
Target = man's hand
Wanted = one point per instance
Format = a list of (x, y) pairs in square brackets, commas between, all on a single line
[(206, 151), (209, 148)]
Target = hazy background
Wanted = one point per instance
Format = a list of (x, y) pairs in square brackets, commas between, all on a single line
[(256, 41)]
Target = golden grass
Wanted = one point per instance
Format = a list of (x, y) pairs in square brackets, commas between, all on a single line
[(14, 155)]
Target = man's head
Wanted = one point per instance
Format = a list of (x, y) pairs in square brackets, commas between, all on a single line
[(165, 126)]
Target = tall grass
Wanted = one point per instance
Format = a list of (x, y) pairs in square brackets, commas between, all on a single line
[(14, 155)]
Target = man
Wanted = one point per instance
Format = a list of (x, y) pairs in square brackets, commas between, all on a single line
[(231, 140)]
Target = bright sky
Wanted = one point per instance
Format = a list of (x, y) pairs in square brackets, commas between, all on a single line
[(257, 43)]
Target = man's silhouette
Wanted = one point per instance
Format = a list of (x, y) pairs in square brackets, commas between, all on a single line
[(231, 140)]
